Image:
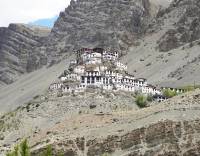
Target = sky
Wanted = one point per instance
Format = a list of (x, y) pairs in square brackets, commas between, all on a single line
[(41, 12), (47, 22)]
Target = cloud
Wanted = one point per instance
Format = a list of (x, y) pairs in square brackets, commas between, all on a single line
[(25, 11)]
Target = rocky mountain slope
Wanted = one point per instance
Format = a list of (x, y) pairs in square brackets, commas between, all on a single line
[(18, 54), (94, 23), (151, 35), (169, 52), (113, 124), (83, 24), (186, 27)]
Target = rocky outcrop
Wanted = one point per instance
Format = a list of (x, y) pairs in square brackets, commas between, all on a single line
[(163, 138), (185, 17), (18, 51), (99, 23)]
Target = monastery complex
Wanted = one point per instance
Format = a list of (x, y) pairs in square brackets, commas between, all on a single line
[(99, 68)]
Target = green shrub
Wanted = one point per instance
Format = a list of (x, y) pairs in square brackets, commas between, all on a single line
[(141, 101), (169, 93), (20, 150), (48, 151), (189, 88), (24, 148), (60, 153)]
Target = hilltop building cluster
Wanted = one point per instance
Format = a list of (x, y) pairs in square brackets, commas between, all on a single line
[(99, 68)]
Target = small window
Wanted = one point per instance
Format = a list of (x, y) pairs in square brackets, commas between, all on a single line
[(88, 80), (92, 79)]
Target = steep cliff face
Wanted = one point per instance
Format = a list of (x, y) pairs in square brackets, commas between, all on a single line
[(18, 54), (185, 17), (100, 23)]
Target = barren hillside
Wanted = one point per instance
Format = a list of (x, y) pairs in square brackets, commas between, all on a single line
[(160, 39), (77, 125), (28, 86)]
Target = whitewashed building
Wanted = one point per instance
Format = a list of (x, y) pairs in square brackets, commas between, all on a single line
[(55, 86), (110, 56), (73, 62), (91, 58), (121, 66), (98, 68), (66, 89), (80, 69), (71, 77), (149, 89)]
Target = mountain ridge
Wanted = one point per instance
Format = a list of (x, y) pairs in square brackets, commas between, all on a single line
[(83, 24), (16, 50)]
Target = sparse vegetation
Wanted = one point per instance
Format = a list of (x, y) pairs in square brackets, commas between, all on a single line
[(191, 87), (141, 101), (48, 151), (60, 153), (169, 93), (23, 149), (8, 121), (20, 150)]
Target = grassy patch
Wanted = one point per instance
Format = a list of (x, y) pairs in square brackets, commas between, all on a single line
[(9, 122), (169, 93), (141, 101)]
